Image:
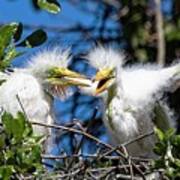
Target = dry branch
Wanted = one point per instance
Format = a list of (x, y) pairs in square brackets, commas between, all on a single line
[(160, 34)]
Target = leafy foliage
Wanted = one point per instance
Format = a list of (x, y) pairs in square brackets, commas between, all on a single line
[(37, 38), (142, 38), (168, 148), (7, 32), (51, 6), (10, 35), (20, 150)]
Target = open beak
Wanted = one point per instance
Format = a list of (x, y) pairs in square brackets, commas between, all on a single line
[(60, 81), (66, 77), (105, 79)]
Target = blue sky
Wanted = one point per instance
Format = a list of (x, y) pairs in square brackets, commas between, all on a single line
[(22, 11)]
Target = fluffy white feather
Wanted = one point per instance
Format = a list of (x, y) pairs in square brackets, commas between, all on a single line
[(131, 100), (3, 76), (141, 83), (28, 85), (132, 109), (39, 63), (101, 58)]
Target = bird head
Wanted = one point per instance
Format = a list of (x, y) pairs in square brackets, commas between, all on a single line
[(60, 80), (108, 64), (50, 67), (104, 79)]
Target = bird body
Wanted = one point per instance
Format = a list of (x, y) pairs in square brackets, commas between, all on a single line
[(131, 95), (132, 109), (30, 89), (26, 87)]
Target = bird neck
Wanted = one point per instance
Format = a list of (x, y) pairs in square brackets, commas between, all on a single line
[(111, 93), (49, 98)]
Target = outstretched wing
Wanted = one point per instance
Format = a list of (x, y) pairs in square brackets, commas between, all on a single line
[(157, 88), (142, 83)]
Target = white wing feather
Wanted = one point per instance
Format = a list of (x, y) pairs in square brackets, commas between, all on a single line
[(31, 96), (141, 84)]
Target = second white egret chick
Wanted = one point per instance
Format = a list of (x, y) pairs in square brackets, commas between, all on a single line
[(46, 74), (133, 98)]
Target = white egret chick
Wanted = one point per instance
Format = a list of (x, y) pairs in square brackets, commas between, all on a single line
[(46, 74), (133, 98)]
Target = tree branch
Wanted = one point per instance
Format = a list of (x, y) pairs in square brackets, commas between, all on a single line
[(160, 34)]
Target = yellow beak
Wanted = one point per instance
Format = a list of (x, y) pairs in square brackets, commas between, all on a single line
[(105, 79), (104, 87), (66, 77), (104, 74)]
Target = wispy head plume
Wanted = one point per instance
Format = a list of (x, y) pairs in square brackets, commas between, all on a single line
[(102, 57), (47, 58)]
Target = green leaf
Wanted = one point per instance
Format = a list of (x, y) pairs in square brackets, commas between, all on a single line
[(172, 32), (160, 117), (28, 130), (169, 133), (176, 140), (6, 172), (160, 148), (6, 33), (2, 141), (10, 54), (29, 158), (18, 32), (177, 162), (35, 39), (51, 6), (170, 171), (14, 126), (21, 150), (158, 164), (159, 134), (6, 120), (9, 156)]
